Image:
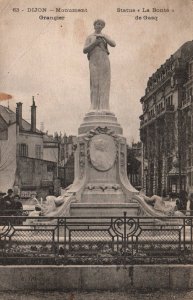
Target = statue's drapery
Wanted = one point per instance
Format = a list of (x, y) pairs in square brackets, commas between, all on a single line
[(100, 75)]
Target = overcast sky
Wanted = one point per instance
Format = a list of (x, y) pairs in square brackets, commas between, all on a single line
[(44, 58)]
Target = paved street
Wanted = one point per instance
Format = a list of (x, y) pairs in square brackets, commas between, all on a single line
[(145, 295)]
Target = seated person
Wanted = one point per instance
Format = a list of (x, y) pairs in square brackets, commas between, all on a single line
[(9, 202), (17, 210), (17, 203), (179, 205)]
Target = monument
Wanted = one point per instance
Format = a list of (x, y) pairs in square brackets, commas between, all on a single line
[(101, 186)]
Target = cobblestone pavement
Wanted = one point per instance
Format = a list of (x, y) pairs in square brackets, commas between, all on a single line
[(145, 295)]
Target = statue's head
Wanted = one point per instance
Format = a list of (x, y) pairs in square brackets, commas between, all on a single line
[(100, 145), (99, 25)]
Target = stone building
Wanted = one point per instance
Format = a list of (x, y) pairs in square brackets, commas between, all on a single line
[(27, 162), (166, 125)]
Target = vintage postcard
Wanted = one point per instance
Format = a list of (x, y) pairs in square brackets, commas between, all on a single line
[(96, 136)]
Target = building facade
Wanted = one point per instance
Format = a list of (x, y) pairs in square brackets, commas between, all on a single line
[(166, 126), (28, 160), (32, 161)]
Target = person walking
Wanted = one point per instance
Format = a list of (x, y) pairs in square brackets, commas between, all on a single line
[(189, 206)]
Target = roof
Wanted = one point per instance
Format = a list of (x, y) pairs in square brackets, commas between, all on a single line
[(49, 138), (10, 118), (8, 115), (183, 54), (185, 51)]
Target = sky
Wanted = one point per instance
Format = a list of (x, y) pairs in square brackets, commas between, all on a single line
[(44, 58)]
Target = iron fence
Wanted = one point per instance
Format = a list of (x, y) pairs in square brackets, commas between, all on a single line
[(95, 240)]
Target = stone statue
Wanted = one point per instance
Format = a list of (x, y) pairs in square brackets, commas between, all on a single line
[(160, 205), (99, 65), (51, 205)]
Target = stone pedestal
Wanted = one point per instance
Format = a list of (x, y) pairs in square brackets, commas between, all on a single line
[(102, 186)]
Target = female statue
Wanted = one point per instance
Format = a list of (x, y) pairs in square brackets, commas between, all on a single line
[(99, 65)]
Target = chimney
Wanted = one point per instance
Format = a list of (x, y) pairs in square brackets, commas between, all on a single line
[(19, 115), (33, 116)]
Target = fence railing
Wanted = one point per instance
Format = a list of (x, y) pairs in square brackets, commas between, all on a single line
[(95, 240)]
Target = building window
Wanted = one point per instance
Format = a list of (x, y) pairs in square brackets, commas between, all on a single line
[(189, 156), (189, 92), (190, 69), (23, 150), (169, 163), (62, 154), (50, 168), (169, 100), (38, 151)]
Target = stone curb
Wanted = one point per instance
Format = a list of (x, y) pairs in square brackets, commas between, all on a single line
[(91, 278)]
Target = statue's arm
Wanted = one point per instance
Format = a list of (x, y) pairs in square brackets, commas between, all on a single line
[(151, 199), (148, 199), (90, 45), (109, 41)]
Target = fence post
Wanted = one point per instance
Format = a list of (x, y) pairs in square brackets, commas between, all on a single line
[(184, 232), (125, 237), (58, 236), (191, 235)]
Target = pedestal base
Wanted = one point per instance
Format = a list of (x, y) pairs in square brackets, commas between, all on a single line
[(104, 209), (94, 119)]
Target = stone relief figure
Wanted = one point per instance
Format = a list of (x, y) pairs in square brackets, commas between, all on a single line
[(159, 204), (51, 204), (101, 156), (96, 48)]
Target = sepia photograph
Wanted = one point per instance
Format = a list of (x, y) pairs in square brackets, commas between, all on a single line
[(96, 149)]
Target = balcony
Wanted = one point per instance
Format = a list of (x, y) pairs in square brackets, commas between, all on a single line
[(143, 122), (151, 117), (169, 107), (160, 111), (163, 110), (186, 102)]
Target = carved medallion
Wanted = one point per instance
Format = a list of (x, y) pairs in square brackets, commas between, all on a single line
[(103, 152)]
